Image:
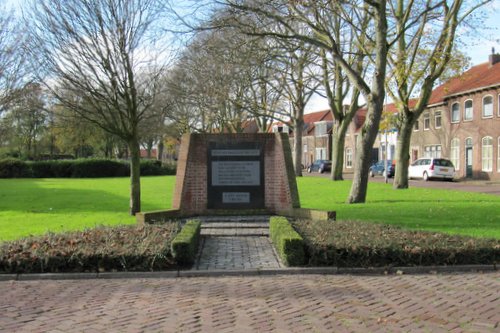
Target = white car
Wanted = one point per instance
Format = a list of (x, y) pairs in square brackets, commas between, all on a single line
[(428, 168)]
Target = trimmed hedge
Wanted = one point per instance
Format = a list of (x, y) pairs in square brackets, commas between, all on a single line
[(363, 244), (14, 168), (185, 244), (81, 168), (288, 243), (103, 249)]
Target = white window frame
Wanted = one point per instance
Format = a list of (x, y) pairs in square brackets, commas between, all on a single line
[(427, 121), (436, 114), (483, 109), (320, 125), (455, 153), (487, 154), (498, 155), (431, 151), (348, 158), (498, 105), (471, 108), (320, 153), (458, 113)]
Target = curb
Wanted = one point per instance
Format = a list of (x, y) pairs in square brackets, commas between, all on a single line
[(421, 270)]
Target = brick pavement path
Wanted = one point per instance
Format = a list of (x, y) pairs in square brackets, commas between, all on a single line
[(286, 303), (235, 242)]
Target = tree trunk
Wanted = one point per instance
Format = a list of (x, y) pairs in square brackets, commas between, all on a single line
[(135, 176), (403, 155), (364, 147), (297, 147), (375, 104), (338, 145), (161, 148)]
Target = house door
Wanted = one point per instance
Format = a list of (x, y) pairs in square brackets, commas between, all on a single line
[(468, 162)]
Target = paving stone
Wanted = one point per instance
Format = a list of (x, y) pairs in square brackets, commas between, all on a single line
[(283, 303)]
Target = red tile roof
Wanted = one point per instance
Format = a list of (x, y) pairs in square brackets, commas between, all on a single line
[(480, 76), (324, 115)]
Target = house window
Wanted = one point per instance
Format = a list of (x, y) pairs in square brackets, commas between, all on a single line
[(455, 153), (432, 151), (427, 122), (415, 128), (455, 113), (321, 153), (498, 155), (487, 107), (468, 110), (348, 158), (487, 154), (320, 129), (280, 129), (437, 119)]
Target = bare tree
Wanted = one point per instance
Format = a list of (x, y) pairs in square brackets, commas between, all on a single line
[(338, 90), (299, 84), (11, 56), (424, 39), (101, 51), (314, 28)]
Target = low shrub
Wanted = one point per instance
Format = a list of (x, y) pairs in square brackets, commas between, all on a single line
[(81, 168), (152, 168), (96, 168), (288, 243), (361, 244), (123, 248), (14, 168), (185, 244)]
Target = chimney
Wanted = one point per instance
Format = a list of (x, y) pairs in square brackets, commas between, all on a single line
[(494, 57)]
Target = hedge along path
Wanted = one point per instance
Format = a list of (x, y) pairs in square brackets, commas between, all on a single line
[(288, 243)]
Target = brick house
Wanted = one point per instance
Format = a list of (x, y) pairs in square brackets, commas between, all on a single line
[(462, 123), (316, 138)]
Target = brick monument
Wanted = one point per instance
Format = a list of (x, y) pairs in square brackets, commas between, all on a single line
[(234, 174), (244, 172)]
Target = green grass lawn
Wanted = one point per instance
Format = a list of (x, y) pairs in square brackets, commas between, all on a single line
[(35, 206)]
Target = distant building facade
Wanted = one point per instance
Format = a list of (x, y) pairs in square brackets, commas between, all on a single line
[(462, 123)]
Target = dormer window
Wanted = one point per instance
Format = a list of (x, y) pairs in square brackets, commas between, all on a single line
[(280, 129), (320, 128)]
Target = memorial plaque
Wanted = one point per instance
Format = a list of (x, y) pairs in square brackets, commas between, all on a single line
[(235, 197), (235, 175)]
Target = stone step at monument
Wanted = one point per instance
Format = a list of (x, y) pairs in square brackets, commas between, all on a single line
[(240, 232), (236, 225), (235, 219)]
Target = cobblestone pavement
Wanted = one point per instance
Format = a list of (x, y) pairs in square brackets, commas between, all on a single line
[(286, 303), (231, 252), (236, 245)]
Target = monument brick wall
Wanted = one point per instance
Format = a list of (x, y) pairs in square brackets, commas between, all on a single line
[(266, 169)]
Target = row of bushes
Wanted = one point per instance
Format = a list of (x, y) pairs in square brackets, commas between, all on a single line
[(103, 249), (81, 168), (287, 242), (185, 244), (361, 244)]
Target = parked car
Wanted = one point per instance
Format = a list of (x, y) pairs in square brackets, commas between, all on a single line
[(378, 168), (429, 168), (320, 166)]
